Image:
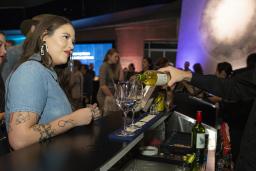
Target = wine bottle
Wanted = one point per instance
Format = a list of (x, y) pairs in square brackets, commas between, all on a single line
[(154, 78), (198, 139), (159, 102)]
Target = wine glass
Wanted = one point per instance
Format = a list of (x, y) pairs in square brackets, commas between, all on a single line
[(136, 94), (122, 90)]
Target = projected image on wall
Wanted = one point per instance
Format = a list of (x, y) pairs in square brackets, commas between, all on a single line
[(94, 53)]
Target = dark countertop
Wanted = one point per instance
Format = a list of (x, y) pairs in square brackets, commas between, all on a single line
[(82, 148), (85, 148)]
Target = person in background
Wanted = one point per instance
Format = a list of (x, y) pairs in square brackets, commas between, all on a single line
[(2, 87), (224, 71), (240, 87), (146, 64), (130, 72), (198, 68), (88, 84), (9, 43), (162, 62), (110, 73), (76, 86), (186, 66), (14, 53), (36, 107), (192, 90), (4, 148), (91, 86), (91, 70), (236, 113)]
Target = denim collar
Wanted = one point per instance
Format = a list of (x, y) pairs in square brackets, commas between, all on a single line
[(37, 57)]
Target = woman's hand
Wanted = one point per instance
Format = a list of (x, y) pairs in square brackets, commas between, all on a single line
[(82, 116), (96, 113), (176, 75)]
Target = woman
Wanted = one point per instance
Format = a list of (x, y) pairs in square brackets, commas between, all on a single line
[(36, 107), (110, 73), (146, 64), (2, 89), (76, 85)]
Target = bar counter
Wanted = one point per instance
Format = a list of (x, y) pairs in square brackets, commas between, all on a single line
[(83, 148), (88, 148)]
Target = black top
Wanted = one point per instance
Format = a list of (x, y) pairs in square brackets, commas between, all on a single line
[(2, 92), (240, 87)]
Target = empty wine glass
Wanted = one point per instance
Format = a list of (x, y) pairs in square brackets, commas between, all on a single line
[(123, 101), (136, 94)]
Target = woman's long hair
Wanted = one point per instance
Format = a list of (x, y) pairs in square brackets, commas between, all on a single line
[(115, 68), (109, 53), (33, 43)]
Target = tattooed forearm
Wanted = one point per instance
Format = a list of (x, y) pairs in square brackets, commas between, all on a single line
[(45, 131), (63, 123), (22, 117)]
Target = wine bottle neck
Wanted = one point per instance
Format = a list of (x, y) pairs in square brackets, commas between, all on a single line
[(199, 117), (141, 77)]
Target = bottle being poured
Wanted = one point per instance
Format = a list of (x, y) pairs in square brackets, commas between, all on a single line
[(154, 78)]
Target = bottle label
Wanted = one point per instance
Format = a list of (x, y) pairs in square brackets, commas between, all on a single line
[(200, 140), (162, 79)]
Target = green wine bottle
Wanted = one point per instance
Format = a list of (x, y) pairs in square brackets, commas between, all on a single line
[(154, 78), (159, 102), (198, 139)]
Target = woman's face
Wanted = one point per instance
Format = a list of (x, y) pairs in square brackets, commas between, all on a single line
[(60, 44), (113, 59), (2, 48), (221, 74), (145, 64)]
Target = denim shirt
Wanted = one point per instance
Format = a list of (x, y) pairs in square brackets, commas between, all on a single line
[(34, 88)]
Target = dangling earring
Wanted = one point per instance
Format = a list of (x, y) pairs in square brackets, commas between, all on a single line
[(71, 63), (44, 48)]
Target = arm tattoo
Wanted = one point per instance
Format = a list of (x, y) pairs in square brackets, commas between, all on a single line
[(63, 123), (45, 131), (22, 117)]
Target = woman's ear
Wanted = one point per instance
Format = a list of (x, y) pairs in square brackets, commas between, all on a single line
[(44, 36)]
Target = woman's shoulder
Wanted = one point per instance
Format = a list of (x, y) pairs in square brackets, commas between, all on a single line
[(29, 69), (104, 65), (34, 66)]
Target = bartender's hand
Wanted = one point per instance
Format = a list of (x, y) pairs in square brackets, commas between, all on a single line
[(177, 75), (82, 116)]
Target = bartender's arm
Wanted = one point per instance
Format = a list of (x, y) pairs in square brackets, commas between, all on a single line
[(241, 87)]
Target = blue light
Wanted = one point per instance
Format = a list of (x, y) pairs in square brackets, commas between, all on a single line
[(92, 53), (14, 35)]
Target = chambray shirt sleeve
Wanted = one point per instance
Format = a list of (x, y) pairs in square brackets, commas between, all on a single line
[(27, 90)]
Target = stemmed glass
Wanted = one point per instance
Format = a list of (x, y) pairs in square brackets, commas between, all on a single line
[(122, 90), (136, 94)]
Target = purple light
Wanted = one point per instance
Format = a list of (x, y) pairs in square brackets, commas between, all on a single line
[(190, 47)]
